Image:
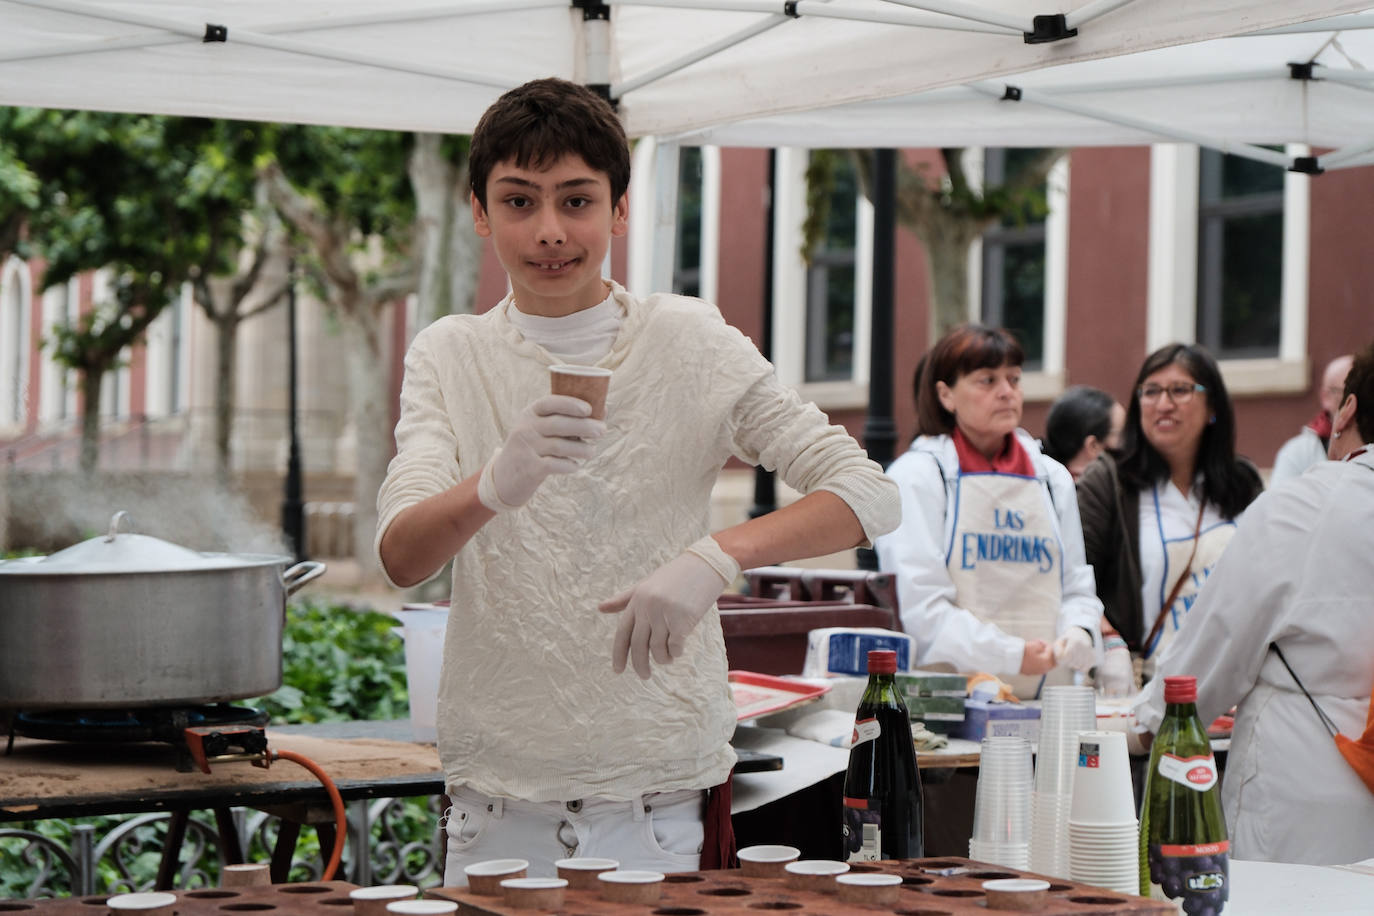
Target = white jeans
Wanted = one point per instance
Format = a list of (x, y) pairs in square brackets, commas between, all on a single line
[(661, 831)]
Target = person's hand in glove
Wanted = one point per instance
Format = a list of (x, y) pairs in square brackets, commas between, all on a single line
[(1115, 676), (1075, 649), (549, 437), (658, 614)]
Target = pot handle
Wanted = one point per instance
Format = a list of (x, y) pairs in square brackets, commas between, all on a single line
[(300, 574), (119, 518)]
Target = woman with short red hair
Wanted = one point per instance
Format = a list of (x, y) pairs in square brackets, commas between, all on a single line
[(988, 559)]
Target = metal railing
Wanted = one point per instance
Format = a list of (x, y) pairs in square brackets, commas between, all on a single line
[(86, 864)]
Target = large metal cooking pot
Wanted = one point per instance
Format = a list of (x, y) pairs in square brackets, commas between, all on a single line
[(128, 620)]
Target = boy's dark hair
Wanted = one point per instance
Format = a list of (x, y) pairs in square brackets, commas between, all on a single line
[(1075, 415), (1228, 483), (532, 125), (1360, 382), (961, 351)]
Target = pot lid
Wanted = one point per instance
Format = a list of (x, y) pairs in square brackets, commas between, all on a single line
[(126, 552)]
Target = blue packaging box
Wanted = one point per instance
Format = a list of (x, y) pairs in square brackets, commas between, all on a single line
[(841, 650), (986, 719)]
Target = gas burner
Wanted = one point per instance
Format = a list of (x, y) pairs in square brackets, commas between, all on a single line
[(116, 726)]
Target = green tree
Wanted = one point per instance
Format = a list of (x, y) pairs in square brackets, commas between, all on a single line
[(18, 196), (381, 213), (152, 200)]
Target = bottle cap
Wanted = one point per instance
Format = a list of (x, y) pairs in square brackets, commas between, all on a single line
[(1181, 689), (882, 661)]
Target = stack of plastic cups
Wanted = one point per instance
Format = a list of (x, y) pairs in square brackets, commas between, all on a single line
[(1065, 712), (1001, 806), (1104, 834)]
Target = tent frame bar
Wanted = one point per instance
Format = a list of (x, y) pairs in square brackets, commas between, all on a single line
[(173, 32), (1245, 150), (818, 9)]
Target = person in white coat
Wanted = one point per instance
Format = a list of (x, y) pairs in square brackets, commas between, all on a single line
[(1295, 586), (988, 559)]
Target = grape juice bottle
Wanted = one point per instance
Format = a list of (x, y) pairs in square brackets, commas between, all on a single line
[(1184, 849), (882, 789)]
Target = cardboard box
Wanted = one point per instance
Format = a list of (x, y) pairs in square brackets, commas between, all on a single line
[(984, 719)]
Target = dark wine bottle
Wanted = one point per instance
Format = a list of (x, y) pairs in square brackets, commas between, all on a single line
[(1184, 847), (882, 788)]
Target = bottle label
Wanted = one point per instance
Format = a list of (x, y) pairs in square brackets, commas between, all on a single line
[(863, 829), (1198, 773), (1194, 876), (865, 730)]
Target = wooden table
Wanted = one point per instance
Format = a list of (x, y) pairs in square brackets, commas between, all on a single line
[(59, 779)]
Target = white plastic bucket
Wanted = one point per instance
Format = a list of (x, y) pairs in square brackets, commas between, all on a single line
[(423, 627)]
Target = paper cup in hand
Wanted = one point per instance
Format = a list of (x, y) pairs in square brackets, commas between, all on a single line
[(586, 382)]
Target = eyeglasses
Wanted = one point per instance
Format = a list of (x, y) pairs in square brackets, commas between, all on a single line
[(1179, 392)]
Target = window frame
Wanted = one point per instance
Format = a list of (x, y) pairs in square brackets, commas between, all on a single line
[(1173, 271), (790, 279), (16, 291)]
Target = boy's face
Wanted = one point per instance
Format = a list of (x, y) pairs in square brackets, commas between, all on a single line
[(552, 229)]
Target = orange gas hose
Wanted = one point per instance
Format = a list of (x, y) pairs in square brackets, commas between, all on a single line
[(340, 819)]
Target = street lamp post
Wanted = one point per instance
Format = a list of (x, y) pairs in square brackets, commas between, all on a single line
[(292, 508)]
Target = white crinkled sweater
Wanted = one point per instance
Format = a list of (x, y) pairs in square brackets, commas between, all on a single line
[(528, 704)]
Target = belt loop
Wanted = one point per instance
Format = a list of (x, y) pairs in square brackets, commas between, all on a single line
[(638, 805), (494, 805)]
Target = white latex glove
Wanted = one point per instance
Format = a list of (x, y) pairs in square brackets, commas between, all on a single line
[(1075, 649), (549, 437), (658, 614), (1115, 676)]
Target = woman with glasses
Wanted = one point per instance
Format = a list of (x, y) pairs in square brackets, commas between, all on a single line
[(1290, 601), (988, 559), (1157, 517)]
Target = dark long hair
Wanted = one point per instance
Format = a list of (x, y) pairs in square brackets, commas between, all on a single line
[(1227, 482), (1075, 415), (963, 350)]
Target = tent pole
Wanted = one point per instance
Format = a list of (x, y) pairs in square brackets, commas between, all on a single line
[(968, 11), (820, 9), (619, 89), (1092, 11), (880, 431)]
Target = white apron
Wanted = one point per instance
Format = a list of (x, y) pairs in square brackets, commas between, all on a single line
[(1210, 544), (1006, 562)]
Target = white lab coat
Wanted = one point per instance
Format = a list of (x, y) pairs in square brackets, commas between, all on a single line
[(915, 555), (1298, 573)]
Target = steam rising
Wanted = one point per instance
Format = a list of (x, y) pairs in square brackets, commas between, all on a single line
[(50, 511)]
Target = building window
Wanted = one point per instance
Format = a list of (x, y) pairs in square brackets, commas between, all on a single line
[(822, 349), (1013, 274), (831, 277), (687, 258), (1229, 264), (1239, 256)]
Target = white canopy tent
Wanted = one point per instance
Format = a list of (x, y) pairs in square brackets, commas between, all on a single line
[(671, 65), (1310, 83)]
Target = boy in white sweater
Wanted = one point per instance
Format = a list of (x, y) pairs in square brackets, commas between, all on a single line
[(581, 546)]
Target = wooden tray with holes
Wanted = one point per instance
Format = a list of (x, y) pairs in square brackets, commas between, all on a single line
[(930, 887), (318, 898)]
